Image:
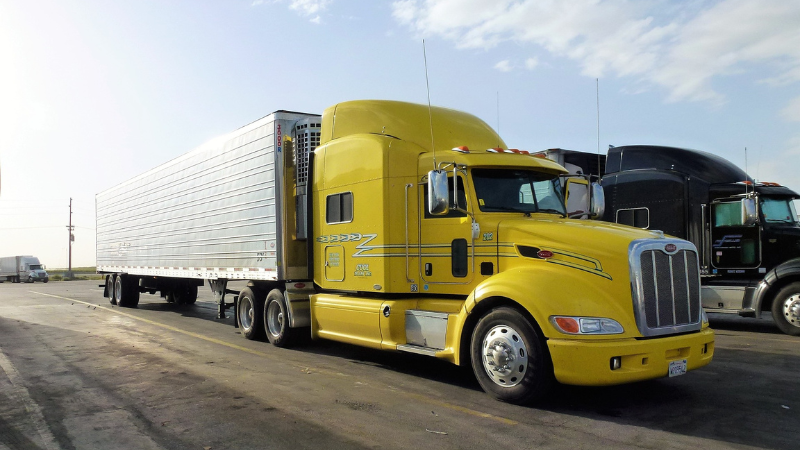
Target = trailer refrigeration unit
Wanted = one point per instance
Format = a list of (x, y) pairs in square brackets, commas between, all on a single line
[(22, 268), (748, 233), (350, 228)]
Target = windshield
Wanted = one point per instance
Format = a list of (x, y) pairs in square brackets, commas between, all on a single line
[(778, 210), (518, 190), (35, 266)]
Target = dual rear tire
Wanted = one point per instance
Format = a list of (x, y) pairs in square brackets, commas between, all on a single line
[(261, 316), (123, 290)]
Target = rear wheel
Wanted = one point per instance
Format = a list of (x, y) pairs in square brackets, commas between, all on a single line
[(786, 309), (249, 312), (110, 289), (184, 294), (126, 291), (509, 358), (276, 320)]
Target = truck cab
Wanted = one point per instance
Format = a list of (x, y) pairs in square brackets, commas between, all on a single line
[(467, 254), (747, 232)]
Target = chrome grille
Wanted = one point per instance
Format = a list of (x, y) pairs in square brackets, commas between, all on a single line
[(666, 287)]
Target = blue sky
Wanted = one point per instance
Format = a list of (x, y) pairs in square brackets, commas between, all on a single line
[(94, 92)]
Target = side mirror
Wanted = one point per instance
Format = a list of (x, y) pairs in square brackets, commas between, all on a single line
[(438, 193), (749, 211), (597, 205)]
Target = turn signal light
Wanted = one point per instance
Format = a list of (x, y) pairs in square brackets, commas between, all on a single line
[(586, 325), (568, 324)]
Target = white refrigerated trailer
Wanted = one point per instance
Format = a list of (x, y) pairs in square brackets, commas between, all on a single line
[(215, 213)]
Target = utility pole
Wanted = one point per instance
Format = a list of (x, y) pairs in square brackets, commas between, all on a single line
[(71, 238)]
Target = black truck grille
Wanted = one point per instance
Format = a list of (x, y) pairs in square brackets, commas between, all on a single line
[(667, 297)]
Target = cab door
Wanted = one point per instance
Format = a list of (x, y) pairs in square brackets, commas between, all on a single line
[(734, 244), (445, 244)]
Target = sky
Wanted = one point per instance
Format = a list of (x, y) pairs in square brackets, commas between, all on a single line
[(94, 92)]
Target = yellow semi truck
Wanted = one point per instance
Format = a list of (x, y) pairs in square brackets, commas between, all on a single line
[(350, 227)]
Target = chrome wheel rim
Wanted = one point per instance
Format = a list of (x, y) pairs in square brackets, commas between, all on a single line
[(246, 313), (791, 310), (274, 318), (504, 356), (118, 289)]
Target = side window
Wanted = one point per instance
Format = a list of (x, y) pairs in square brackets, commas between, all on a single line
[(339, 208), (635, 217), (728, 214), (462, 199)]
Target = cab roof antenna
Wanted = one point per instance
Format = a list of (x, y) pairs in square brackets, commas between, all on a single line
[(597, 91), (746, 174), (498, 117), (430, 114)]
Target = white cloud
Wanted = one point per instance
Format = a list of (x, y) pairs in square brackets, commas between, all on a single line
[(503, 66), (792, 111), (531, 63), (309, 7), (306, 8), (679, 47)]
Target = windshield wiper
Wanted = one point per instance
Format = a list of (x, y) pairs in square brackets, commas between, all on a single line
[(552, 211)]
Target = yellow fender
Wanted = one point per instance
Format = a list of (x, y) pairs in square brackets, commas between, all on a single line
[(547, 290)]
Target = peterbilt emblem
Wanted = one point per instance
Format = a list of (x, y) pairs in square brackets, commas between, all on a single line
[(544, 254), (669, 248)]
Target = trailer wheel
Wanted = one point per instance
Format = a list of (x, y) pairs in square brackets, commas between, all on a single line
[(184, 294), (110, 289), (249, 311), (126, 291), (509, 358), (276, 320), (786, 309)]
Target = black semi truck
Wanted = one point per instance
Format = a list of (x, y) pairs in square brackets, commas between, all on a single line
[(747, 233)]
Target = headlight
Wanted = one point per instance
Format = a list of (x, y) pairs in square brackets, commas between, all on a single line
[(586, 325)]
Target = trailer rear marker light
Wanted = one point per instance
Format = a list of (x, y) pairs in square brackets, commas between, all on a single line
[(586, 325)]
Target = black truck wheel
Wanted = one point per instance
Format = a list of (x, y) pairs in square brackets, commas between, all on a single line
[(110, 289), (184, 294), (126, 291), (509, 358), (786, 309), (276, 320), (249, 311)]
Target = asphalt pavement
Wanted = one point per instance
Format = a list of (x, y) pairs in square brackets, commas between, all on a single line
[(79, 373)]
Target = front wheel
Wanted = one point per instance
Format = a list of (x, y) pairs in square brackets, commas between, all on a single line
[(509, 357), (786, 309)]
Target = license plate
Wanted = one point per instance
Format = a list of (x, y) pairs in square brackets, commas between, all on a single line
[(677, 367)]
